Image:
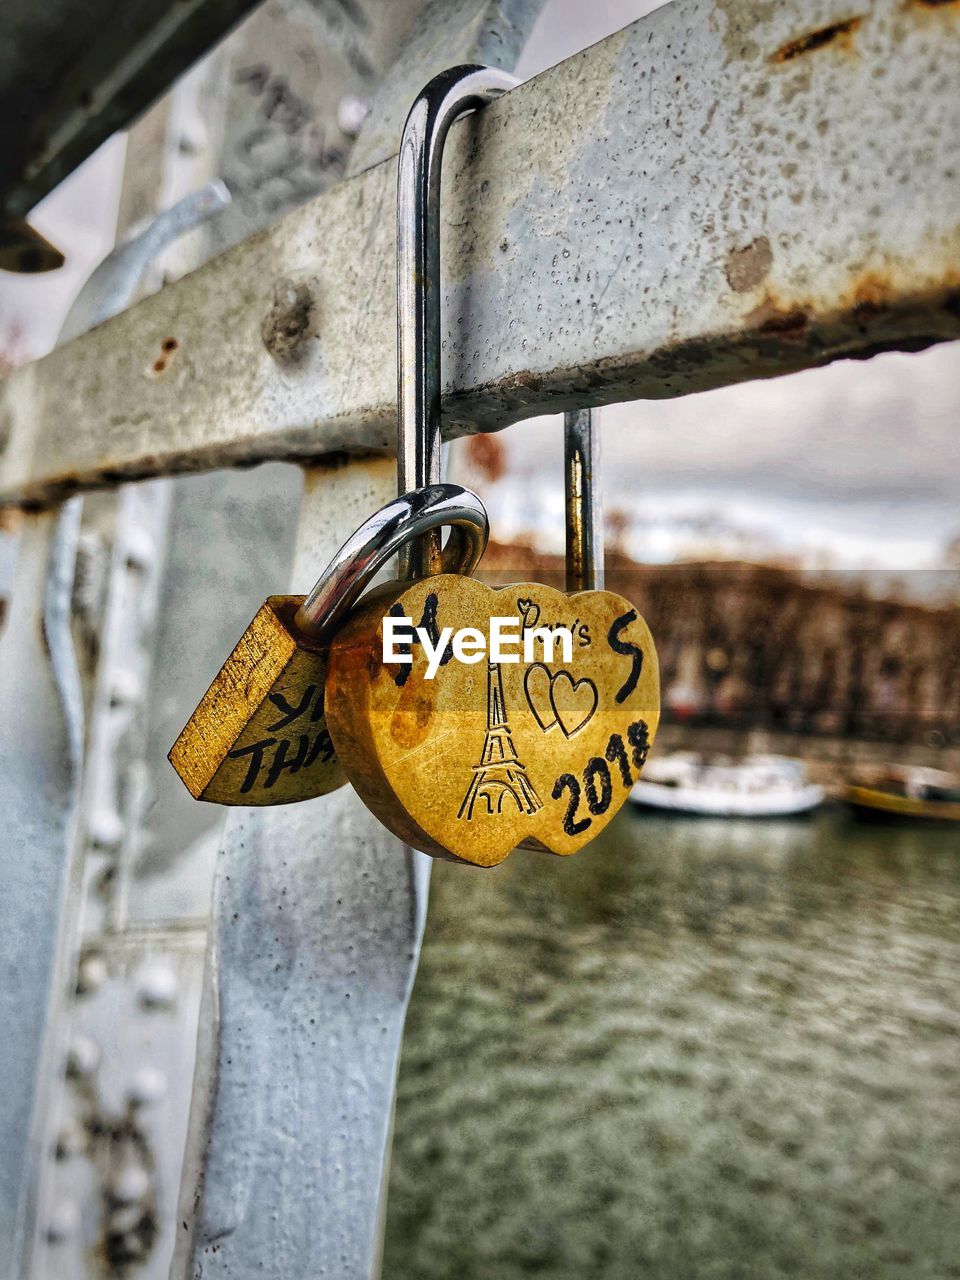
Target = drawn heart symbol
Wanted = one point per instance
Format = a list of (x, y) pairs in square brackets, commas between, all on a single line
[(559, 699), (573, 701), (529, 612), (465, 765), (536, 685)]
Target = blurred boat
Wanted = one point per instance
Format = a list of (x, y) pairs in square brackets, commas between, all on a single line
[(901, 791), (757, 787)]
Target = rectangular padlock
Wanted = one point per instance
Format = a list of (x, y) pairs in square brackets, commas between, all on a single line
[(259, 734)]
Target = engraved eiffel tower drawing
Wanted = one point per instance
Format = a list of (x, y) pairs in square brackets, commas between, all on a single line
[(498, 773)]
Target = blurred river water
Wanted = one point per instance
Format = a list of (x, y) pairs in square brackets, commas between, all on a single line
[(699, 1049)]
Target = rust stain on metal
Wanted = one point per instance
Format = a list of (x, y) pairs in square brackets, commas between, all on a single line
[(837, 32), (168, 351), (879, 290), (747, 267), (770, 317), (524, 380), (148, 466), (487, 455), (870, 293)]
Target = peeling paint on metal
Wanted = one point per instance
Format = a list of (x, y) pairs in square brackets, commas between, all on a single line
[(290, 320), (749, 266)]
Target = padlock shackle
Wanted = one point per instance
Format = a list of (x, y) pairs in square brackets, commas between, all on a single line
[(584, 510), (382, 536), (448, 96)]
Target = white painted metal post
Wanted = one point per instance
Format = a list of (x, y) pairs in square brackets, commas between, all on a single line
[(117, 1123), (315, 932), (41, 747), (39, 779)]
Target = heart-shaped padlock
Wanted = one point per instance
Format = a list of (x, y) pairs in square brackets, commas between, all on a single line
[(538, 748), (464, 747)]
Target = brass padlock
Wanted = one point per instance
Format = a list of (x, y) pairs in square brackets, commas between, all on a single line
[(468, 752), (259, 735), (462, 754)]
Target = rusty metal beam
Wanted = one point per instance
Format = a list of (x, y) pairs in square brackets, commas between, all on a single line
[(727, 189)]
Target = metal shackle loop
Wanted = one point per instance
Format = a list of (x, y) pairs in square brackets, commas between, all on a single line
[(584, 510), (448, 96), (385, 533)]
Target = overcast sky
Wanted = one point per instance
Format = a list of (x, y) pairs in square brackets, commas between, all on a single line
[(855, 463)]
